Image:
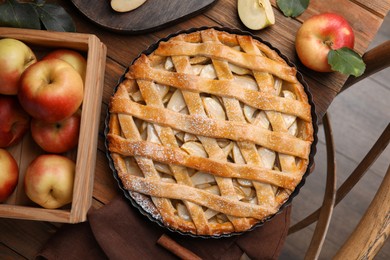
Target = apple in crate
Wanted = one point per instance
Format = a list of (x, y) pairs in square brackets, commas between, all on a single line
[(49, 180), (9, 174), (15, 57), (57, 137), (14, 121), (51, 90), (318, 35), (74, 58)]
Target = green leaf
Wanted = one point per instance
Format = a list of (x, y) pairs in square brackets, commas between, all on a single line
[(39, 2), (346, 61), (18, 15), (292, 8), (55, 18)]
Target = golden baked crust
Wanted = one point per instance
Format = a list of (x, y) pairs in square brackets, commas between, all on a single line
[(214, 127)]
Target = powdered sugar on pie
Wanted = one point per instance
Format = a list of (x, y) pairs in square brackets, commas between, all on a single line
[(214, 128)]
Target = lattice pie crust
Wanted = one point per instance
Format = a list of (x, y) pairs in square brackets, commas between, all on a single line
[(214, 127)]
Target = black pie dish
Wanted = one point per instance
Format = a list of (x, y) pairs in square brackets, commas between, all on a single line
[(143, 202)]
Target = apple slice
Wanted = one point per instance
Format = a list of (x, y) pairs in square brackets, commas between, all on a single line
[(126, 5), (256, 14)]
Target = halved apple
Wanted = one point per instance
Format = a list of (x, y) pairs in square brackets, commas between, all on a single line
[(256, 14), (126, 5)]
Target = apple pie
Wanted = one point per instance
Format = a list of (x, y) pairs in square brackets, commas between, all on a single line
[(213, 129)]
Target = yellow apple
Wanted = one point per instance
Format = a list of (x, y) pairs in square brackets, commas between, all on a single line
[(49, 180), (74, 58), (15, 57)]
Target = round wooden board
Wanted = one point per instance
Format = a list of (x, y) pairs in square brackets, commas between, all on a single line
[(152, 15)]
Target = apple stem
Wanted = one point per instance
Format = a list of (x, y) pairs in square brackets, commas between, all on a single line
[(329, 43)]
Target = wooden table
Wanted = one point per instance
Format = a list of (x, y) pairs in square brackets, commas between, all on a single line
[(22, 238)]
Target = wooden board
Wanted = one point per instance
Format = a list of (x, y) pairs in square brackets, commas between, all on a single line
[(151, 16)]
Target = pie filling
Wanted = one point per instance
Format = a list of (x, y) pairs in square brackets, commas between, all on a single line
[(214, 127)]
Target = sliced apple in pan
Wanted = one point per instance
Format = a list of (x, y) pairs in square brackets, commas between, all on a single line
[(126, 5), (256, 14)]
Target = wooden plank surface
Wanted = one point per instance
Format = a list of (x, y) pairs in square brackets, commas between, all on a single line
[(380, 8), (7, 253), (25, 237), (122, 49)]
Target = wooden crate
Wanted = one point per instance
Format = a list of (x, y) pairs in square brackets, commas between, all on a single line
[(42, 42)]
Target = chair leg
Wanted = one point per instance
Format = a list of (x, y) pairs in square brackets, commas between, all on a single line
[(329, 197), (330, 154), (351, 181)]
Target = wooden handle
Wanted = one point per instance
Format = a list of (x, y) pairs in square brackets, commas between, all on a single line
[(176, 249)]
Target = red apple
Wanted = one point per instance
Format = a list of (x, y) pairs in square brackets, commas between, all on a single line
[(9, 174), (51, 90), (49, 180), (318, 35), (15, 57), (14, 121), (56, 137), (72, 57)]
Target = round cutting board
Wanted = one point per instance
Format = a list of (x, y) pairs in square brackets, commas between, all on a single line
[(152, 15)]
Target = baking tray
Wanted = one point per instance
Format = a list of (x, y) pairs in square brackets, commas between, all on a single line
[(136, 199)]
